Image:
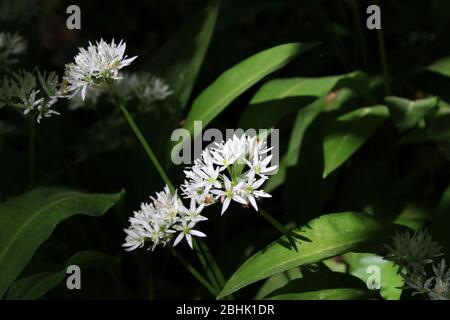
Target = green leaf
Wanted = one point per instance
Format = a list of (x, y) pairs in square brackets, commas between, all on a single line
[(438, 129), (26, 221), (180, 59), (233, 82), (303, 120), (407, 113), (35, 286), (295, 87), (348, 133), (441, 66), (323, 285), (279, 97), (327, 236), (362, 265)]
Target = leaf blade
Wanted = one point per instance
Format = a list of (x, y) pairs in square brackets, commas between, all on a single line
[(328, 236), (28, 220), (239, 78), (348, 133)]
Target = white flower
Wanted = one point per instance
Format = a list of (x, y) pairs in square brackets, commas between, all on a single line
[(157, 89), (158, 221), (44, 110), (30, 102), (231, 192), (93, 66), (226, 154), (259, 164), (228, 172), (250, 192), (193, 213), (186, 231)]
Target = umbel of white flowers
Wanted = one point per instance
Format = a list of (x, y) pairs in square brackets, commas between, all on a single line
[(35, 93), (93, 66), (233, 170), (159, 221)]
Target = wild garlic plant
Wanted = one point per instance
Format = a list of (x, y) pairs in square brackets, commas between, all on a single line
[(31, 93), (231, 171), (420, 263)]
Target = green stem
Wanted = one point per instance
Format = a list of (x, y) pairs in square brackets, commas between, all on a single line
[(144, 144), (274, 222), (32, 151), (213, 263), (384, 63), (194, 272), (206, 266)]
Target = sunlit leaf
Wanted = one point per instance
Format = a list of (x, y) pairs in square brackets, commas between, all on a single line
[(327, 236)]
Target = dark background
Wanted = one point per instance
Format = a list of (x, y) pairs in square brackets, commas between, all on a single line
[(81, 150)]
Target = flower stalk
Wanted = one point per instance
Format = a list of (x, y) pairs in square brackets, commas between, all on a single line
[(32, 146)]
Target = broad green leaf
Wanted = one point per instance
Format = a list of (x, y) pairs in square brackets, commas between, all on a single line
[(303, 120), (266, 115), (441, 66), (327, 236), (26, 221), (407, 113), (228, 86), (366, 265), (323, 285), (279, 97), (438, 128), (348, 133), (179, 60), (415, 216), (294, 87), (35, 286)]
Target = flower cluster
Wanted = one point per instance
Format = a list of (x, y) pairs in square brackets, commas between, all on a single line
[(230, 171), (34, 94), (162, 220), (149, 88), (413, 252), (93, 66), (416, 255)]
